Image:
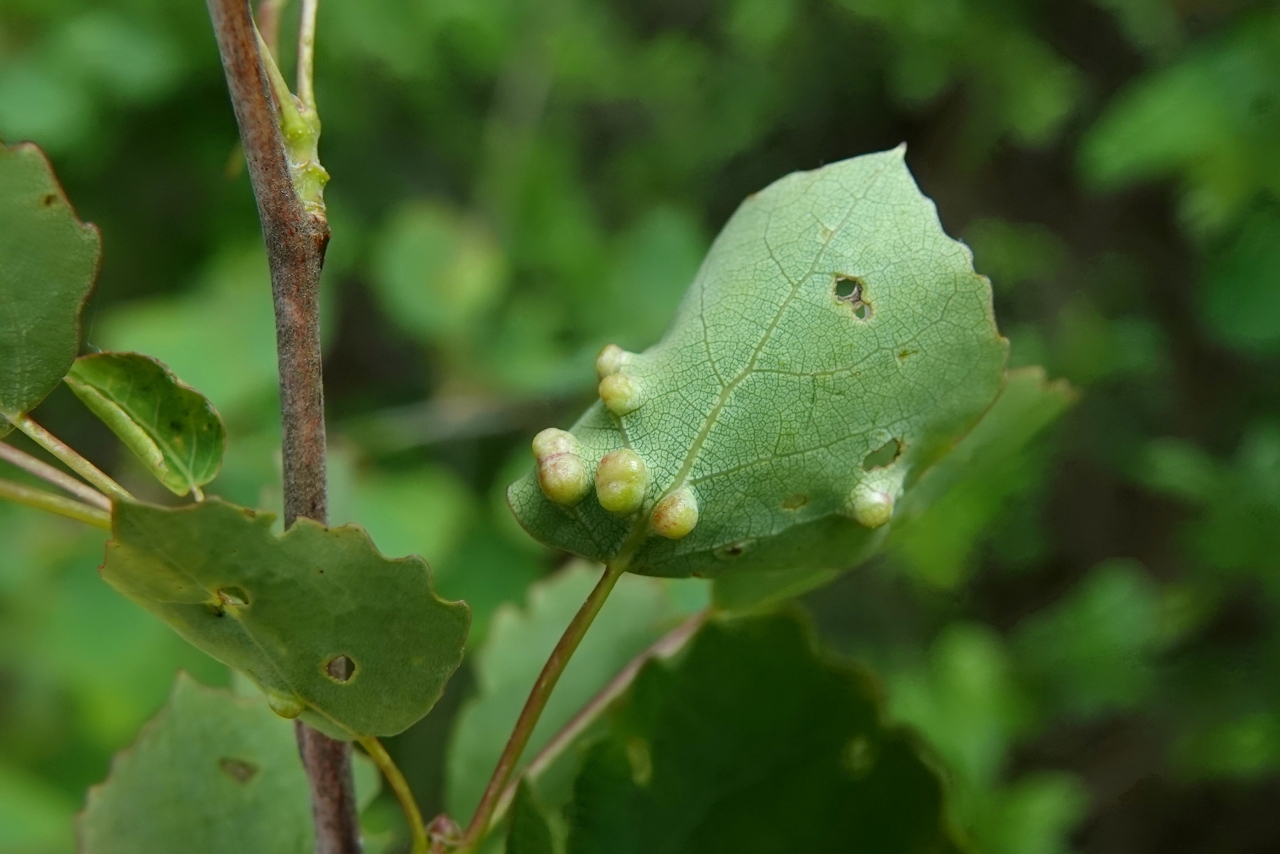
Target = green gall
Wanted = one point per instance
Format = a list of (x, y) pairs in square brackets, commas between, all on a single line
[(621, 479), (675, 515), (285, 706), (611, 360), (620, 393), (562, 473), (870, 508), (554, 441)]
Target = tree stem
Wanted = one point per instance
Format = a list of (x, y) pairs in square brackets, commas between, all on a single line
[(69, 457), (55, 476), (22, 494), (296, 239), (542, 688), (400, 786)]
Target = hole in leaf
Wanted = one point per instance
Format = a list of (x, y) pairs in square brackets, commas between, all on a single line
[(882, 456), (849, 288), (795, 502), (238, 769), (233, 596), (340, 668)]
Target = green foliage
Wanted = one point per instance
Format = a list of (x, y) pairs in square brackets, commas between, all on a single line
[(212, 773), (837, 288), (169, 426), (638, 612), (529, 830), (825, 773), (48, 262), (356, 644)]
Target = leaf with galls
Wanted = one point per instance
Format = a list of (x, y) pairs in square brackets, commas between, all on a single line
[(835, 343)]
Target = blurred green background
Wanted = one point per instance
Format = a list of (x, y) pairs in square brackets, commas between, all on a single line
[(1086, 630)]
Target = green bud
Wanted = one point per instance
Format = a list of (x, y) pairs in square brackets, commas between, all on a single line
[(611, 360), (620, 393), (621, 479), (675, 515), (287, 707), (562, 473)]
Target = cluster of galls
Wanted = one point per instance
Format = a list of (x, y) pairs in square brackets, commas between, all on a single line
[(621, 478)]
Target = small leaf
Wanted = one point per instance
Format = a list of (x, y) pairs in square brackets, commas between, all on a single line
[(48, 262), (638, 612), (170, 426), (832, 317), (288, 610), (529, 830), (755, 742)]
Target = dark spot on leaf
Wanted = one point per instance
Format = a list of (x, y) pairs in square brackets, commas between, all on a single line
[(175, 426), (50, 199), (215, 610), (233, 596), (340, 668), (732, 550), (882, 456), (238, 769), (794, 502), (902, 354)]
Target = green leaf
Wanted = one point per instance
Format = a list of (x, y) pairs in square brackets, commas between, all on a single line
[(212, 773), (755, 742), (170, 426), (529, 830), (638, 612), (48, 262), (832, 323), (285, 610)]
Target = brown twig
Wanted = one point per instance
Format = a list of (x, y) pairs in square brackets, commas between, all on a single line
[(296, 240)]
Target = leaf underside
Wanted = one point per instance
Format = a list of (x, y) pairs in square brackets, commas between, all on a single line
[(834, 340), (170, 427), (48, 262), (753, 742), (284, 609)]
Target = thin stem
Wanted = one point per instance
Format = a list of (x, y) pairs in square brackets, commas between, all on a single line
[(306, 54), (69, 457), (55, 476), (664, 647), (542, 688), (403, 793), (296, 235), (41, 500), (269, 23)]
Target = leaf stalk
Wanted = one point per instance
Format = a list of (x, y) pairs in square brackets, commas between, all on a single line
[(39, 499), (55, 476), (68, 457), (485, 812), (400, 786)]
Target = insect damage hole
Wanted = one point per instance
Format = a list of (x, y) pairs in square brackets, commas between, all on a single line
[(883, 456), (851, 290), (340, 668)]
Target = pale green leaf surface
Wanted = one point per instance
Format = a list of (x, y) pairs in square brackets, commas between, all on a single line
[(754, 741), (48, 262), (769, 391), (311, 595), (213, 773), (638, 612), (171, 427)]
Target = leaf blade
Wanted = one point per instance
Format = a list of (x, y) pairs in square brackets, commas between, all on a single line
[(172, 428), (48, 264)]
